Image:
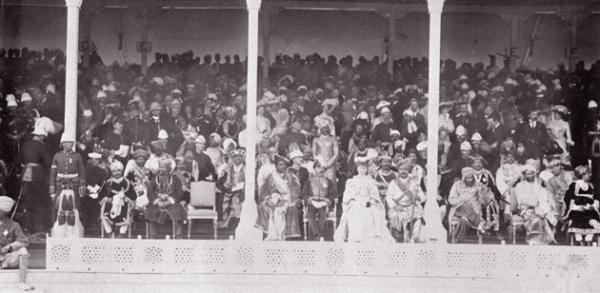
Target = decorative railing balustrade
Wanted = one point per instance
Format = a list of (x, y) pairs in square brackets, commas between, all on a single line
[(321, 258)]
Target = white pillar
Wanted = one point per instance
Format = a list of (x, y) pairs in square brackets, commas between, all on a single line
[(72, 53), (433, 230), (246, 230)]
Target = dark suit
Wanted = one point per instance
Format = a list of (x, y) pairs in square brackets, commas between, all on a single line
[(496, 134), (154, 126), (138, 131), (533, 139)]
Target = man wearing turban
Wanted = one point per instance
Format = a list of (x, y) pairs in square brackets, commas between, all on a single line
[(13, 244), (165, 196), (531, 208), (465, 202)]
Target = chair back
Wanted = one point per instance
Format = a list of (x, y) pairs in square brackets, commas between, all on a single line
[(202, 194)]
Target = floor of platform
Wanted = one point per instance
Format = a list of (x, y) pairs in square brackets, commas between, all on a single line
[(51, 282)]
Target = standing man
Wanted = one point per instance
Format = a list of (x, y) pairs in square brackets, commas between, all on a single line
[(496, 134), (36, 201), (67, 179), (532, 136), (325, 150)]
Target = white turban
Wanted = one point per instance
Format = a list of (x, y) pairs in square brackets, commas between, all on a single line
[(26, 97), (162, 134), (465, 146), (461, 130), (6, 203), (363, 115), (476, 136)]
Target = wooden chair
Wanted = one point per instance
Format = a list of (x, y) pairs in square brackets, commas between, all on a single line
[(202, 204)]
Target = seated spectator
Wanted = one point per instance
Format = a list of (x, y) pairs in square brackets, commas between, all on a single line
[(13, 244), (363, 219), (318, 195), (582, 204), (233, 189), (466, 205), (530, 209), (165, 201), (116, 201), (278, 199), (404, 199), (558, 185)]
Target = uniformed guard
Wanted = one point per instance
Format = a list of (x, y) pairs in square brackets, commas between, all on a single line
[(67, 180), (34, 194)]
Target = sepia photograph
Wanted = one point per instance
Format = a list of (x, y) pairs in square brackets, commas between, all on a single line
[(299, 146)]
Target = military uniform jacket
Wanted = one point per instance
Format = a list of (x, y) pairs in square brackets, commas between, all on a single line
[(37, 160), (67, 163)]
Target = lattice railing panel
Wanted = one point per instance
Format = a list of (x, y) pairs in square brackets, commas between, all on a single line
[(323, 258)]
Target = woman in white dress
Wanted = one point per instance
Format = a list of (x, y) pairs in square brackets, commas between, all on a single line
[(363, 219), (560, 130)]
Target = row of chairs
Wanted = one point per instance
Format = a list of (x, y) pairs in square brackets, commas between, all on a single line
[(202, 207)]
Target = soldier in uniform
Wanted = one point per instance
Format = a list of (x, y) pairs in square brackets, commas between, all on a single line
[(36, 201), (67, 180)]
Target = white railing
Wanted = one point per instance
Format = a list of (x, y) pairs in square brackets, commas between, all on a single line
[(320, 258)]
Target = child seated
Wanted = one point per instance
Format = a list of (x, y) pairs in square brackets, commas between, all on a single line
[(13, 243)]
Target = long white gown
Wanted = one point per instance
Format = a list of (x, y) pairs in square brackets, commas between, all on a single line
[(359, 222)]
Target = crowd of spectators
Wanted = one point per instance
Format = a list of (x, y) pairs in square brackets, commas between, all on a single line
[(515, 148)]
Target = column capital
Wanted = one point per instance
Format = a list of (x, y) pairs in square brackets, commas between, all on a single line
[(73, 3), (435, 6), (253, 4)]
